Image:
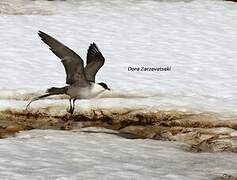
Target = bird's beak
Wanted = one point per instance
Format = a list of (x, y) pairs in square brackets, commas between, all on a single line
[(108, 89)]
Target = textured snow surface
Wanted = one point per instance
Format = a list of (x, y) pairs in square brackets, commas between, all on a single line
[(197, 39), (100, 154)]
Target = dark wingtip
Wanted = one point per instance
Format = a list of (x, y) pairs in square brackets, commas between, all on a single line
[(94, 47), (94, 44), (40, 32)]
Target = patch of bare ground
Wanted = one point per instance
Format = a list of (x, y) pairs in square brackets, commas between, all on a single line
[(20, 7), (203, 132), (225, 177), (9, 131)]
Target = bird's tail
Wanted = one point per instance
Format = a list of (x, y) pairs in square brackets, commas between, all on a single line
[(55, 90), (49, 92)]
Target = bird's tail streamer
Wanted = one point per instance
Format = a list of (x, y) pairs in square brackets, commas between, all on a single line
[(49, 92), (38, 98)]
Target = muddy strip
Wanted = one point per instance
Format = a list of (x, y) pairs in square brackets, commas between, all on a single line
[(203, 132)]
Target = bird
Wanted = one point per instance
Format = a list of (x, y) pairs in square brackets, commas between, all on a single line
[(80, 80)]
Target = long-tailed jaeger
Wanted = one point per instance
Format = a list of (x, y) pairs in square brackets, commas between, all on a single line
[(80, 79)]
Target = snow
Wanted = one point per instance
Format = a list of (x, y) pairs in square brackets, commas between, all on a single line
[(196, 38), (99, 154)]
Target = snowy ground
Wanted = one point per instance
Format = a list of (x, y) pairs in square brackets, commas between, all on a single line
[(96, 155), (197, 39)]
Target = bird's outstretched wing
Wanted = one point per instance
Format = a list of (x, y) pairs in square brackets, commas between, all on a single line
[(72, 62), (94, 62)]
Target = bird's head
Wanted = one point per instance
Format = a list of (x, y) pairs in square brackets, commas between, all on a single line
[(104, 86)]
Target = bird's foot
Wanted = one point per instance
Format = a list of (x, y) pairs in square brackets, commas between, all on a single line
[(71, 110)]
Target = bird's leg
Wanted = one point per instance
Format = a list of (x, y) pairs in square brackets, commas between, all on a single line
[(73, 105), (70, 108)]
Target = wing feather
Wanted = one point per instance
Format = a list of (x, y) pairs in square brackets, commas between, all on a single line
[(72, 62), (94, 61)]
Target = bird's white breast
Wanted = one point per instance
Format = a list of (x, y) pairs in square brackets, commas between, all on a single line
[(86, 92), (96, 89)]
